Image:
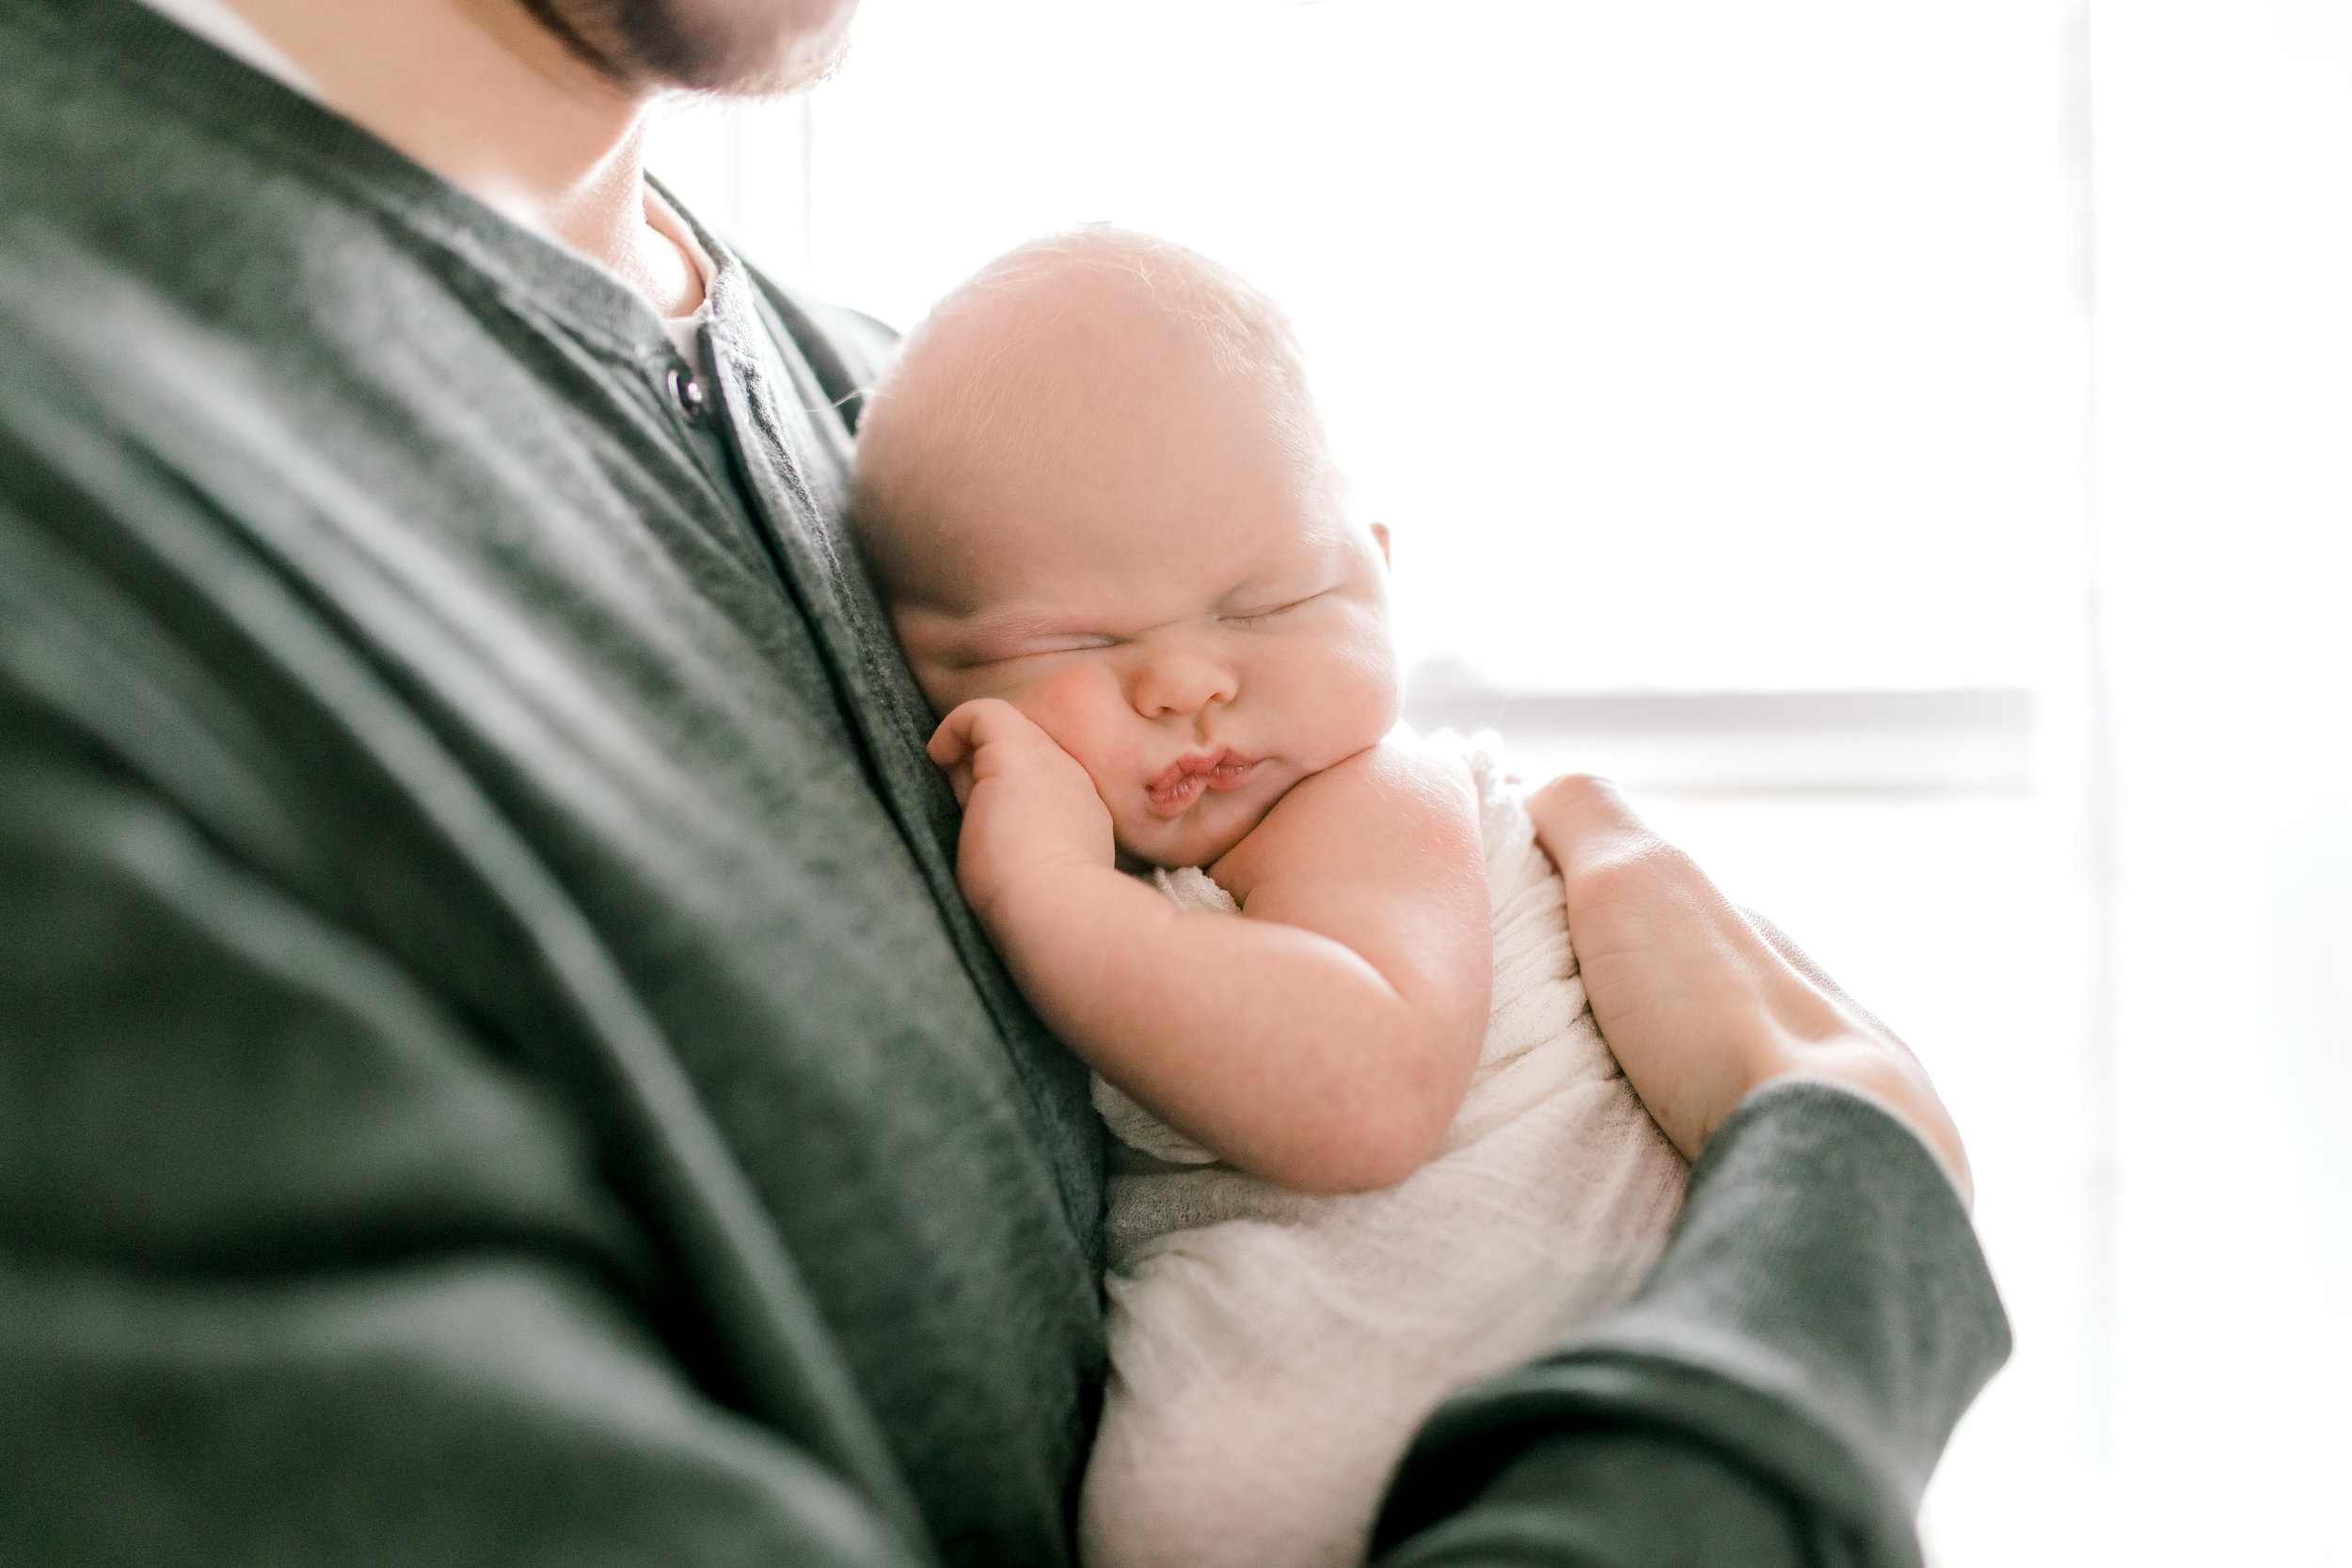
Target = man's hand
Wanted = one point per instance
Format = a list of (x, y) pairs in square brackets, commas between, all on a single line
[(1700, 1003), (1028, 807)]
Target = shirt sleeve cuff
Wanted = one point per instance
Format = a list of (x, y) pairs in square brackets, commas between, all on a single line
[(1821, 1320)]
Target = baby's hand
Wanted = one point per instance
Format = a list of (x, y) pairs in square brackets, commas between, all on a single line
[(1028, 807)]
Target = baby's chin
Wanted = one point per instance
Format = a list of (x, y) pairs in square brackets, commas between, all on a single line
[(1167, 857), (1171, 846)]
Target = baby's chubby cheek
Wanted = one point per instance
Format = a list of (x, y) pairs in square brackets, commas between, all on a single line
[(1359, 694), (1080, 706)]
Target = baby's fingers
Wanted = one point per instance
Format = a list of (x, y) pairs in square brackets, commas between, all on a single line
[(959, 780), (953, 743), (980, 722), (952, 746), (960, 745)]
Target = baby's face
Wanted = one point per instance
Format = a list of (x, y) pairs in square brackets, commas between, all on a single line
[(1175, 594)]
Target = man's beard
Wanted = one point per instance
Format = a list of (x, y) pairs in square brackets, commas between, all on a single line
[(736, 48)]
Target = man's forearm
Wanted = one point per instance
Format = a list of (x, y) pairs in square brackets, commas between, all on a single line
[(1818, 1326), (1621, 1500)]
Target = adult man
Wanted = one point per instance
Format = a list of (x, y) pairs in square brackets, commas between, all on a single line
[(496, 1068)]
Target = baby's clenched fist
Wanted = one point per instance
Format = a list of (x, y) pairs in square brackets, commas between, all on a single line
[(1030, 813)]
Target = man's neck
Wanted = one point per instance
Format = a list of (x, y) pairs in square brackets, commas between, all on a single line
[(483, 95)]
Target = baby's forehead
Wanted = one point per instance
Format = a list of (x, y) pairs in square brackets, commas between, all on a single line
[(1068, 365), (1101, 310)]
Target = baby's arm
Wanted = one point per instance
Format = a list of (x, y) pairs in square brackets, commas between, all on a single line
[(1324, 1042)]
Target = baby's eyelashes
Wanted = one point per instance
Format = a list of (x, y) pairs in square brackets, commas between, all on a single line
[(1246, 617), (984, 649), (975, 659)]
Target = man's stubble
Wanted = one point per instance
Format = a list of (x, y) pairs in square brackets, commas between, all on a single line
[(732, 48)]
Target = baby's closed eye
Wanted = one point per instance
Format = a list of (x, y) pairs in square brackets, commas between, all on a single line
[(1042, 648), (1247, 617)]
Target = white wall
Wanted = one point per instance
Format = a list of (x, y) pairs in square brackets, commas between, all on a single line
[(2225, 470)]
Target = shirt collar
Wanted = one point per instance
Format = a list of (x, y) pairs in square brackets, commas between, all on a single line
[(224, 29), (232, 34)]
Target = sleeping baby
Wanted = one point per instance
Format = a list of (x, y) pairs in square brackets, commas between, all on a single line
[(1370, 1146)]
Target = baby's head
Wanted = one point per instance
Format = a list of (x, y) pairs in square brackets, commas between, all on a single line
[(1094, 484)]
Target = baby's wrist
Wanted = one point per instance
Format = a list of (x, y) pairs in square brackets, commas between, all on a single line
[(1031, 905)]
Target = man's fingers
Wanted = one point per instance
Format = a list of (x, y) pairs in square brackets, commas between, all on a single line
[(1603, 850), (1579, 814)]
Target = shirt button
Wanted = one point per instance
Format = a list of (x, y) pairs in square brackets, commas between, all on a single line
[(687, 392)]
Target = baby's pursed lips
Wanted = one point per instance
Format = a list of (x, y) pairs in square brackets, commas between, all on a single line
[(1182, 783)]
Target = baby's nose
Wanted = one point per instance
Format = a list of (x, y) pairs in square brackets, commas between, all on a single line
[(1178, 684)]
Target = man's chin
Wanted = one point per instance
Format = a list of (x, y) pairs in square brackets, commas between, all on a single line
[(729, 48)]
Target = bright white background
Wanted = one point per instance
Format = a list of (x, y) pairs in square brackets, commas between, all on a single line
[(1707, 345)]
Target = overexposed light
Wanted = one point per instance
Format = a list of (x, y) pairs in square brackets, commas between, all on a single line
[(1686, 344)]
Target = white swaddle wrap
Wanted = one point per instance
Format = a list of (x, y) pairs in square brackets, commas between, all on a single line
[(1272, 1352)]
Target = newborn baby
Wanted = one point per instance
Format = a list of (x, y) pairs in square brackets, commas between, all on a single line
[(1372, 1147)]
